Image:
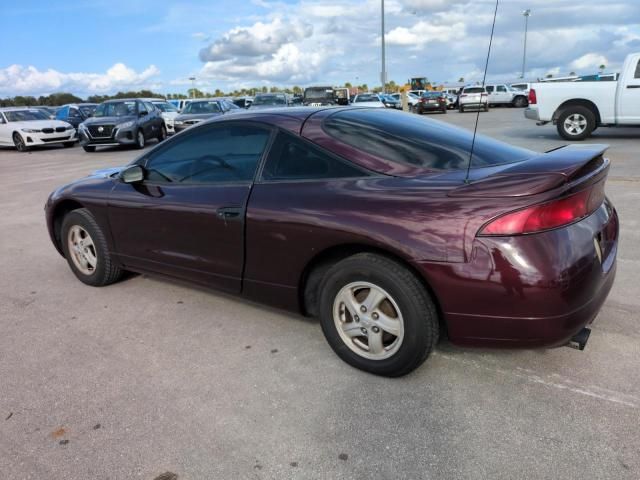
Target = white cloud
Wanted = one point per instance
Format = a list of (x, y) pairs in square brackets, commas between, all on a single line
[(19, 79), (424, 32), (589, 61)]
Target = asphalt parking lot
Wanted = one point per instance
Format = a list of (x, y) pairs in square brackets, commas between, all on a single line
[(148, 376)]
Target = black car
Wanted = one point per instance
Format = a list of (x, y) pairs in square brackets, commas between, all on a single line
[(197, 111), (76, 113), (431, 102), (269, 100), (129, 121)]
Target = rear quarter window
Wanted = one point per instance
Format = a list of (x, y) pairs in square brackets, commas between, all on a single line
[(418, 142)]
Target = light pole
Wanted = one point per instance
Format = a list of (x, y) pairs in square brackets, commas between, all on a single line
[(526, 14), (383, 74), (193, 86)]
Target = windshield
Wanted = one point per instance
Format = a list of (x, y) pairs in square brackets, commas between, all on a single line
[(269, 100), (367, 98), (202, 107), (320, 93), (25, 115), (87, 110), (116, 109), (165, 107)]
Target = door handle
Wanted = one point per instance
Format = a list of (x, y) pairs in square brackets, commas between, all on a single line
[(228, 212), (633, 86)]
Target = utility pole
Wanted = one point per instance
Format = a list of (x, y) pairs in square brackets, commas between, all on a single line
[(383, 74), (193, 86), (526, 14)]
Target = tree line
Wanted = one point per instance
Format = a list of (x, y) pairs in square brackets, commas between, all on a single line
[(62, 98)]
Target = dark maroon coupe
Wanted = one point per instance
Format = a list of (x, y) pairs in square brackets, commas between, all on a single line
[(364, 218)]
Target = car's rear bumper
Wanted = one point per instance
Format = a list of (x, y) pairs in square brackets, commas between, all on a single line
[(531, 290), (532, 113)]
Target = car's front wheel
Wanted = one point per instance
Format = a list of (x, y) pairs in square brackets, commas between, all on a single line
[(162, 136), (88, 148), (86, 250), (377, 315), (68, 144), (141, 141), (18, 142)]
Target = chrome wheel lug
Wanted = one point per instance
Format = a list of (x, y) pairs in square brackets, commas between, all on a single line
[(375, 316), (363, 309), (375, 330), (356, 318), (363, 330)]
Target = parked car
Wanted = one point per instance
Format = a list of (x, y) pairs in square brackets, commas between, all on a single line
[(129, 121), (318, 96), (411, 99), (76, 113), (365, 218), (168, 112), (199, 110), (521, 87), (50, 112), (25, 127), (368, 100), (242, 102), (269, 100), (431, 102), (473, 97), (578, 108), (501, 94), (390, 101)]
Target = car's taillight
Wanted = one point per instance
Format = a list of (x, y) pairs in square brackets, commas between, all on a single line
[(533, 99), (546, 216)]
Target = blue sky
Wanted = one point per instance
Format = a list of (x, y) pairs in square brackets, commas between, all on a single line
[(101, 46)]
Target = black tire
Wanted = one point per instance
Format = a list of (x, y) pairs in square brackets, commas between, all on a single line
[(162, 136), (520, 102), (141, 140), (106, 271), (461, 109), (88, 148), (68, 144), (18, 142), (580, 113), (418, 311), (444, 110), (486, 108)]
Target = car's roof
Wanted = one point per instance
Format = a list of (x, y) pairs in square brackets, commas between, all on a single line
[(13, 109), (83, 104)]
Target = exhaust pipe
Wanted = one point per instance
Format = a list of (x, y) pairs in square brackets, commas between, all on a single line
[(579, 340)]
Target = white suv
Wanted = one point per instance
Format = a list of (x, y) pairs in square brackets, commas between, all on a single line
[(473, 97), (501, 94)]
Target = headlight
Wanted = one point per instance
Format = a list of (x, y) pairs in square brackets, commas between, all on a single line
[(128, 124), (31, 130), (178, 122), (69, 127)]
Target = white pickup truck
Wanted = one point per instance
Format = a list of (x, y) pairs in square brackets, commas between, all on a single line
[(578, 108)]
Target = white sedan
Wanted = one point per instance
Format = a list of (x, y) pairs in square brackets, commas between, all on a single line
[(25, 127), (368, 100)]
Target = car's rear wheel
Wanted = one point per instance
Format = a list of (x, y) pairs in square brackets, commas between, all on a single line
[(486, 107), (140, 140), (88, 148), (461, 109), (162, 136), (576, 123), (376, 315), (520, 102), (18, 142), (86, 250)]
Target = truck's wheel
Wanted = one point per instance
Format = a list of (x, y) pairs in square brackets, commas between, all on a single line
[(576, 123), (520, 102), (376, 315)]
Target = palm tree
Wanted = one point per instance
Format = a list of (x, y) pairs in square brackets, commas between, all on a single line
[(602, 67)]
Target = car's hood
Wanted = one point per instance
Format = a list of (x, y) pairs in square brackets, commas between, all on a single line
[(108, 120), (39, 124), (169, 115), (196, 116)]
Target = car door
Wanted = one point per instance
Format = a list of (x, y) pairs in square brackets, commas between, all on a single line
[(629, 96), (502, 95), (155, 120), (186, 218), (5, 131), (144, 119)]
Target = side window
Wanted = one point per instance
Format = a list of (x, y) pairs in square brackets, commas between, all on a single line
[(210, 154), (490, 88), (293, 159), (637, 74), (74, 113), (141, 107), (501, 88), (149, 106)]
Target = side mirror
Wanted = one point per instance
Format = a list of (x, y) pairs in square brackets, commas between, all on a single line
[(143, 113), (132, 174)]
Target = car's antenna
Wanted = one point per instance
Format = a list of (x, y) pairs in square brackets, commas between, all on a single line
[(484, 78)]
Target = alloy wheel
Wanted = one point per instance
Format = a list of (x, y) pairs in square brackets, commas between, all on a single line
[(82, 250), (19, 142), (368, 320), (575, 124)]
